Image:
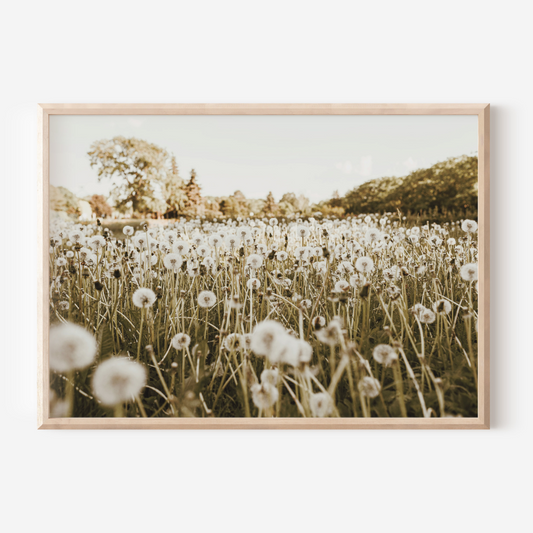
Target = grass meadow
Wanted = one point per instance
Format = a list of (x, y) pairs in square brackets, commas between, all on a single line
[(365, 316)]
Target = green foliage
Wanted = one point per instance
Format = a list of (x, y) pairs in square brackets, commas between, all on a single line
[(174, 191), (447, 186), (137, 170)]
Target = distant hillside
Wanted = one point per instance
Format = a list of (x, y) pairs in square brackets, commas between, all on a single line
[(449, 186), (61, 199)]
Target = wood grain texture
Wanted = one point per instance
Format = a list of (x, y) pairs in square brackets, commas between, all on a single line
[(264, 109), (483, 113)]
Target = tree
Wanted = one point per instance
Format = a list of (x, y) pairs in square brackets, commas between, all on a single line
[(137, 169), (450, 185), (99, 206), (271, 208), (193, 203), (174, 191)]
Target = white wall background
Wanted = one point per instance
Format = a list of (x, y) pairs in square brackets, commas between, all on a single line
[(276, 51)]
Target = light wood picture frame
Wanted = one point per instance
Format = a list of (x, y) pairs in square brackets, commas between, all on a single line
[(481, 111)]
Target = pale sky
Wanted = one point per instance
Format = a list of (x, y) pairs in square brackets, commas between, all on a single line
[(310, 155)]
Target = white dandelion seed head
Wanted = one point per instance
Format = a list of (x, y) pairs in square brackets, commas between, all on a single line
[(143, 298), (469, 226), (372, 235), (384, 354), (331, 334), (270, 376), (294, 352), (61, 262), (321, 404), (254, 261), (180, 341), (318, 322), (118, 380), (264, 395), (97, 242), (306, 304), (365, 265), (71, 347), (268, 338), (418, 309), (321, 267), (207, 299), (442, 306), (427, 316), (85, 253), (303, 232), (469, 272), (345, 267), (342, 286), (173, 261), (181, 247), (253, 284), (232, 342), (369, 387)]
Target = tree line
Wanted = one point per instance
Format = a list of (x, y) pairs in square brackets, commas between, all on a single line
[(146, 182)]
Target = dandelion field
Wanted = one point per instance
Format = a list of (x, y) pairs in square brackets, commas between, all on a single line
[(357, 317)]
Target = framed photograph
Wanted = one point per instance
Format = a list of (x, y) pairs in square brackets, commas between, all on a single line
[(264, 266)]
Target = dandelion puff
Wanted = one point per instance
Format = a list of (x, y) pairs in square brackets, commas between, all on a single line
[(427, 316), (318, 322), (372, 235), (469, 272), (342, 286), (127, 230), (143, 297), (321, 267), (268, 338), (417, 310), (254, 261), (253, 284), (61, 262), (232, 342), (321, 404), (331, 334), (207, 299), (181, 341), (118, 380), (303, 232), (442, 306), (306, 304), (63, 306), (181, 247), (384, 354), (295, 352), (282, 256), (71, 347), (470, 226), (97, 242), (173, 261), (365, 265), (369, 387), (270, 376), (264, 395)]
